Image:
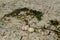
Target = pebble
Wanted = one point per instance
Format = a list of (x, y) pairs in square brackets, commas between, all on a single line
[(31, 29)]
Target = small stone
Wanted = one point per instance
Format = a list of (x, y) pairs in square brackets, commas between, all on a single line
[(31, 29)]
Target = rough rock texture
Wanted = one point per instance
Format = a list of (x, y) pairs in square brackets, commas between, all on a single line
[(11, 30)]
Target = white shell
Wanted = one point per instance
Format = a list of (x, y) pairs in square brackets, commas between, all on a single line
[(31, 29), (25, 28)]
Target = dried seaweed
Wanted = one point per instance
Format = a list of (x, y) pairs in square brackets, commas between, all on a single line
[(21, 37), (24, 9), (13, 13), (17, 11), (37, 14), (54, 22)]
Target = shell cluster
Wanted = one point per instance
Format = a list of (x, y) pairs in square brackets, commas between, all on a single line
[(27, 28)]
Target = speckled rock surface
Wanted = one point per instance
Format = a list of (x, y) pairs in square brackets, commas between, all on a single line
[(11, 30)]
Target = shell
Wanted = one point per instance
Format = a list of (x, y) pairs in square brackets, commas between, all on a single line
[(25, 28)]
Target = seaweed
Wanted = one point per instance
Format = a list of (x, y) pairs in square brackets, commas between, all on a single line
[(17, 11), (54, 22), (24, 9), (37, 14), (13, 13)]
